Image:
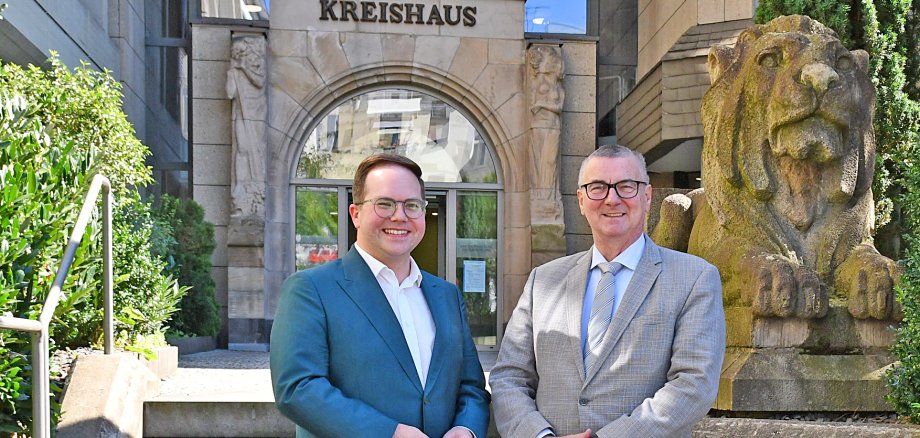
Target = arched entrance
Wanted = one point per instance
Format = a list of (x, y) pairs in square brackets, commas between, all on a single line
[(463, 187)]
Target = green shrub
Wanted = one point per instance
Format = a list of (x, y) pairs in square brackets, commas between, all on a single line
[(911, 42), (191, 264), (904, 379), (84, 106), (832, 13), (145, 295), (58, 128), (41, 179)]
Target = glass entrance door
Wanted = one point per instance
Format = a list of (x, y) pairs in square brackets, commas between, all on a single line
[(430, 254), (461, 176), (476, 265)]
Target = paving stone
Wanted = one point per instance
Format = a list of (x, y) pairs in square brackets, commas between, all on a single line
[(243, 377)]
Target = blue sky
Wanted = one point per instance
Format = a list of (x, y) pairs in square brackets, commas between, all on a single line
[(559, 16)]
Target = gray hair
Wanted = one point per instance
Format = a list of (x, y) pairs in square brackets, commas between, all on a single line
[(614, 151)]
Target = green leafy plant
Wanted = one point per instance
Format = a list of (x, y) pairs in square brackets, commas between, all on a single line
[(41, 177), (84, 106), (145, 345), (190, 257), (904, 379), (147, 297), (832, 13), (59, 127)]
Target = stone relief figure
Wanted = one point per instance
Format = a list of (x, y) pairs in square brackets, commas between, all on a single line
[(245, 88), (788, 160), (546, 95)]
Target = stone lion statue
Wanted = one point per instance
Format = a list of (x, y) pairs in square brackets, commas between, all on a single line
[(788, 158)]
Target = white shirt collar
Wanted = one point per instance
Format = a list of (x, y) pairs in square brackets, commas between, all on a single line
[(628, 258), (415, 274)]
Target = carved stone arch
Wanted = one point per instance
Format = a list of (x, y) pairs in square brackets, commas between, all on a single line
[(510, 148), (431, 81)]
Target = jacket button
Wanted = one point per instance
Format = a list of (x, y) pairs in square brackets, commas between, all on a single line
[(425, 400), (583, 401)]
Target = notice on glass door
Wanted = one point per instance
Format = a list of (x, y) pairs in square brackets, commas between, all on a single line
[(474, 276)]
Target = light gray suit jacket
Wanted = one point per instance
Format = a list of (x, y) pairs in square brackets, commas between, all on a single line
[(662, 352)]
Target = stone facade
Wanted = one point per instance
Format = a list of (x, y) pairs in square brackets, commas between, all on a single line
[(579, 131), (663, 110), (313, 63), (662, 23), (212, 160), (127, 38)]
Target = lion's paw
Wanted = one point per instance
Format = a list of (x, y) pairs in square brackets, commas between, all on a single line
[(868, 280), (784, 288)]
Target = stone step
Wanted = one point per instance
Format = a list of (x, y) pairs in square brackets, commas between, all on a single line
[(737, 427), (217, 402), (215, 419), (228, 394)]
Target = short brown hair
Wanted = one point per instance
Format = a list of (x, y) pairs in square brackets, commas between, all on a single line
[(378, 160)]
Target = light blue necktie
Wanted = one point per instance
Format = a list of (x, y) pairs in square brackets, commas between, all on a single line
[(601, 311)]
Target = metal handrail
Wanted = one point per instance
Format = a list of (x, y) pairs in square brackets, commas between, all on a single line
[(41, 375)]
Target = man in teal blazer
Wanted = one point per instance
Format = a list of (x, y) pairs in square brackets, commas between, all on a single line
[(370, 346)]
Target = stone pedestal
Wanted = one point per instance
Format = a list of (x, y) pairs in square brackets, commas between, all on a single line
[(789, 379), (837, 332), (248, 328), (547, 229), (547, 243), (246, 232), (835, 363)]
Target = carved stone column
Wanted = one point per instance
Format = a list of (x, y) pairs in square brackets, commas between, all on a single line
[(246, 80), (545, 97)]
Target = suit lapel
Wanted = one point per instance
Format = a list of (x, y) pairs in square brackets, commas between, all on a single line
[(437, 304), (574, 291), (642, 281), (359, 284)]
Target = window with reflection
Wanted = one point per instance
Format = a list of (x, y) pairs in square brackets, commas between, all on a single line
[(462, 218), (477, 262), (553, 16), (316, 226), (236, 9), (166, 91), (405, 122)]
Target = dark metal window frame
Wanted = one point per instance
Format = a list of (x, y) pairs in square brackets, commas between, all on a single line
[(194, 14), (185, 42)]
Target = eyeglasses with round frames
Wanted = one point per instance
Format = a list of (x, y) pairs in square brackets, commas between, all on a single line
[(386, 207), (625, 189)]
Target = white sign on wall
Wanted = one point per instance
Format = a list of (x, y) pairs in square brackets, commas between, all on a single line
[(474, 276)]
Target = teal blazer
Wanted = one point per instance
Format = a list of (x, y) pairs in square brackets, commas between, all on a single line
[(340, 365)]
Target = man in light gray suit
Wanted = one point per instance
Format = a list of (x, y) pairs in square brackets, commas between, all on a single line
[(623, 340)]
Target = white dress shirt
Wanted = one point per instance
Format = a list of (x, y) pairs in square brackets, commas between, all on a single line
[(411, 309), (629, 258)]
